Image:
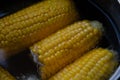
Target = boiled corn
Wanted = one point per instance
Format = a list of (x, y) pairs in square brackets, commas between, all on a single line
[(20, 30), (97, 64), (66, 45), (4, 75)]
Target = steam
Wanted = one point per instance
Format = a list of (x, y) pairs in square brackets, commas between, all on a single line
[(3, 58), (28, 77)]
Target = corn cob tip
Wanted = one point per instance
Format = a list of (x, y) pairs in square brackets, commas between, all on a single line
[(35, 58), (97, 25), (116, 55)]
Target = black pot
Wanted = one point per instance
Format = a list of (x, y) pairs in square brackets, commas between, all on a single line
[(105, 11)]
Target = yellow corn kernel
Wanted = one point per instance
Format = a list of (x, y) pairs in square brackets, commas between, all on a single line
[(66, 45), (23, 28), (98, 64), (4, 75)]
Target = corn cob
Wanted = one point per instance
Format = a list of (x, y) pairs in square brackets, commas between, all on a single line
[(23, 28), (64, 46), (4, 75), (97, 64)]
